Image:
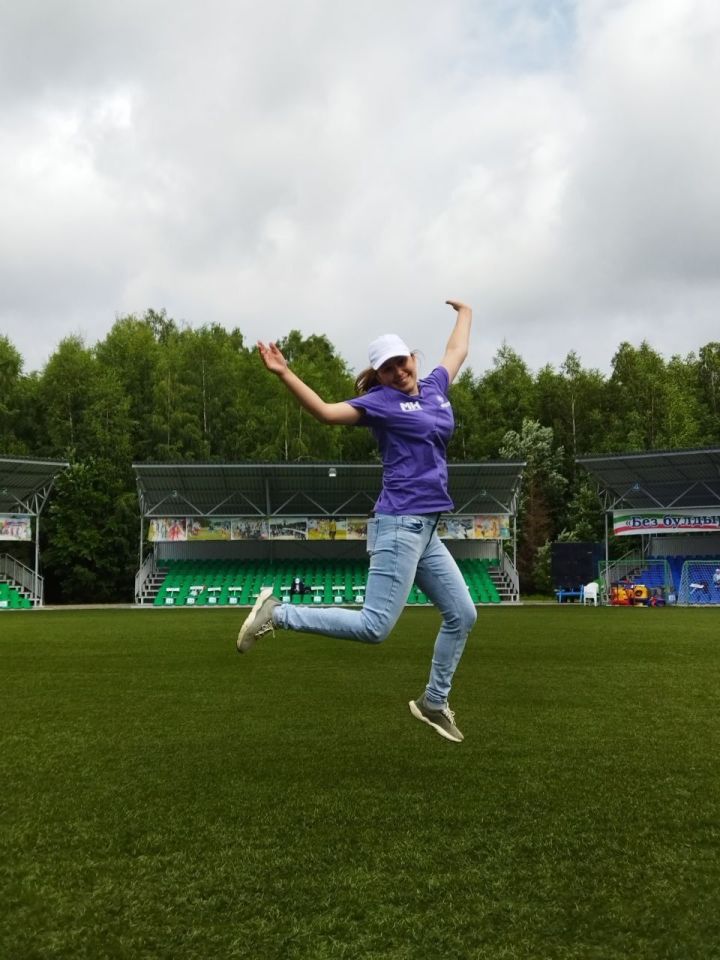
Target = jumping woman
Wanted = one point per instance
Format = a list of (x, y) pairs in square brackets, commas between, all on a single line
[(412, 422)]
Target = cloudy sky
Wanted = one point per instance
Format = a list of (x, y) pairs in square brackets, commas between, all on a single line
[(345, 167)]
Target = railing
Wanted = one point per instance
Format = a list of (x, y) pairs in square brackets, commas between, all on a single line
[(615, 570), (14, 570), (511, 573), (146, 570), (654, 572)]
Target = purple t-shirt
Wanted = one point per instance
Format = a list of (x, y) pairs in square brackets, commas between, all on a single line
[(412, 434)]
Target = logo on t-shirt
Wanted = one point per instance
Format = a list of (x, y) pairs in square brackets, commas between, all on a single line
[(441, 400), (410, 405)]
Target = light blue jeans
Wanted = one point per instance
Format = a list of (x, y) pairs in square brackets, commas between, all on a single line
[(402, 550)]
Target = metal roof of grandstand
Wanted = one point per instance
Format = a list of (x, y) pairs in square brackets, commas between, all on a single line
[(659, 479), (26, 483), (310, 489)]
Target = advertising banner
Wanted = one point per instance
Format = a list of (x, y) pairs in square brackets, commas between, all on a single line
[(15, 527), (330, 528), (288, 528), (456, 528), (632, 522), (470, 527), (173, 529), (356, 528), (494, 526), (208, 528), (248, 529), (475, 527)]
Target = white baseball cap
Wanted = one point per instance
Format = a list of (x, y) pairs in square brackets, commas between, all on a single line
[(386, 346)]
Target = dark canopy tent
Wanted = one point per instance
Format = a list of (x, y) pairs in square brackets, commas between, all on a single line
[(310, 489), (25, 485), (318, 489), (658, 480)]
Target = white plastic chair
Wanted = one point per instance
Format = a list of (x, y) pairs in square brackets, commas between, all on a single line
[(590, 592)]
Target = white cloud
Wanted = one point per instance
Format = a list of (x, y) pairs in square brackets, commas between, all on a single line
[(344, 168)]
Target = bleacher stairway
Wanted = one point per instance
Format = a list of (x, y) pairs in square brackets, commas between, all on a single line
[(502, 584), (17, 584), (151, 586), (13, 596)]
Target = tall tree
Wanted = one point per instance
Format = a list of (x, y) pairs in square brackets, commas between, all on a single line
[(584, 517), (505, 397), (706, 369), (638, 395), (131, 353), (11, 394), (85, 409), (177, 421), (89, 553), (468, 442), (686, 421), (572, 402), (543, 489)]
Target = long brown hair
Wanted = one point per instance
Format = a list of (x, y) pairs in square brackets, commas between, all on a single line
[(368, 378)]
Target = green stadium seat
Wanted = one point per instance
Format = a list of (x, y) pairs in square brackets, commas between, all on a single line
[(239, 581)]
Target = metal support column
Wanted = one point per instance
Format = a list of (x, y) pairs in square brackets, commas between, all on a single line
[(142, 536), (36, 582), (607, 562)]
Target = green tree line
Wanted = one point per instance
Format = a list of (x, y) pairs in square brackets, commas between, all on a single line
[(157, 390)]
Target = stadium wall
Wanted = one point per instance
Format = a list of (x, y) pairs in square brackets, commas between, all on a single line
[(303, 549), (692, 545)]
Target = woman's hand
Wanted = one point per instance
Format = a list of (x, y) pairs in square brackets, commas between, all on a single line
[(457, 305), (272, 357), (457, 346)]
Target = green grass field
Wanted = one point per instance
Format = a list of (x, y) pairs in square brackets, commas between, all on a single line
[(162, 797)]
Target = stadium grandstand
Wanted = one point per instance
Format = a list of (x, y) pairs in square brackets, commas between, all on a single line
[(671, 500), (215, 534), (25, 485)]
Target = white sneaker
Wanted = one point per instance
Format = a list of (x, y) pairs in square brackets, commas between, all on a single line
[(259, 621), (441, 719)]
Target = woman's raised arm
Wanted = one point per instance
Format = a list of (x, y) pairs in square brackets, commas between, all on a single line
[(335, 413), (457, 346)]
